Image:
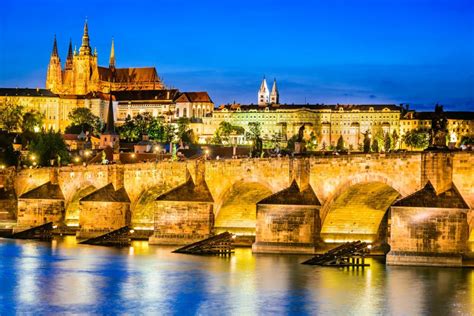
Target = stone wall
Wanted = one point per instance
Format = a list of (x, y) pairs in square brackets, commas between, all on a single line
[(35, 212), (179, 222), (97, 218), (427, 236), (286, 228)]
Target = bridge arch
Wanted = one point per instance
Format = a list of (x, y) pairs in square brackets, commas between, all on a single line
[(236, 211), (72, 207), (334, 190), (357, 209), (143, 207)]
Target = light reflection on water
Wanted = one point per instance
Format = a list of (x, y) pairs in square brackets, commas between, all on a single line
[(62, 276)]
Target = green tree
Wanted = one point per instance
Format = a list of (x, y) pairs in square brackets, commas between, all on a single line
[(312, 143), (11, 117), (82, 119), (225, 130), (32, 120), (375, 146), (255, 130), (129, 130), (48, 146), (366, 146), (395, 139), (418, 139), (170, 133), (387, 143), (340, 144)]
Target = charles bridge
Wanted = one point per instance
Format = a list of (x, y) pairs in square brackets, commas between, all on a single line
[(416, 203)]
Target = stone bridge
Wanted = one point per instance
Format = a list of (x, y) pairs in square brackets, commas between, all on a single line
[(354, 191)]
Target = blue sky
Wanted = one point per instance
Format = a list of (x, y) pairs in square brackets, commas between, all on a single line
[(367, 51)]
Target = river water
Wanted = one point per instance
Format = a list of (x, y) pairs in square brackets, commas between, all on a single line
[(63, 277)]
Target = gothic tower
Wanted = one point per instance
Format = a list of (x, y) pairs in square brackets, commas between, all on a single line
[(263, 93), (85, 67), (274, 95), (110, 138), (54, 76), (69, 57), (112, 56)]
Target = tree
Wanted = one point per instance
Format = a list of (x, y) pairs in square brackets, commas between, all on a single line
[(183, 126), (129, 130), (49, 146), (387, 143), (255, 130), (375, 146), (8, 156), (82, 119), (11, 117), (32, 121), (395, 139), (418, 139), (312, 143), (340, 144), (225, 130), (366, 142), (169, 133)]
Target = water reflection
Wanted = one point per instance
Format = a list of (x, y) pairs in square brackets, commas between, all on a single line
[(63, 277)]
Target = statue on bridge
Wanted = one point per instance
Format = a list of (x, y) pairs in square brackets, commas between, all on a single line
[(300, 142), (439, 130)]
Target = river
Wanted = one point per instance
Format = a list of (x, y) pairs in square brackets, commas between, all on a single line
[(63, 277)]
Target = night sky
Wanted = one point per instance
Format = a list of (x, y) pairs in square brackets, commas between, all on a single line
[(419, 52)]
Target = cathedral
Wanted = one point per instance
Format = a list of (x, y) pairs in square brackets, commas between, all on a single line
[(82, 75)]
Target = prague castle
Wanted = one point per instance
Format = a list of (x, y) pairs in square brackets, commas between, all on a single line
[(81, 82), (82, 74)]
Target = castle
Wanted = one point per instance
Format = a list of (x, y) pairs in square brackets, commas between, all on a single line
[(82, 74)]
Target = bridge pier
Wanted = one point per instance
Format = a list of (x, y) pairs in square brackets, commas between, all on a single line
[(429, 229)]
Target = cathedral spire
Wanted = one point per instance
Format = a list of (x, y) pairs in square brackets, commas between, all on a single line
[(274, 95), (112, 55), (55, 48), (85, 47), (69, 52), (69, 56)]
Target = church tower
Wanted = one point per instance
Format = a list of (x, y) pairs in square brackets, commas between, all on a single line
[(54, 76), (110, 138), (85, 66), (263, 93), (112, 56), (274, 95)]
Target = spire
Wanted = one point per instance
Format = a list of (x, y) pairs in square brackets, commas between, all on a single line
[(274, 87), (263, 85), (112, 55), (85, 47), (69, 52), (110, 126), (55, 48), (263, 93), (69, 56), (274, 95)]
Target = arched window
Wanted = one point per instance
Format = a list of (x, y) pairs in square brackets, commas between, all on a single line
[(184, 112)]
